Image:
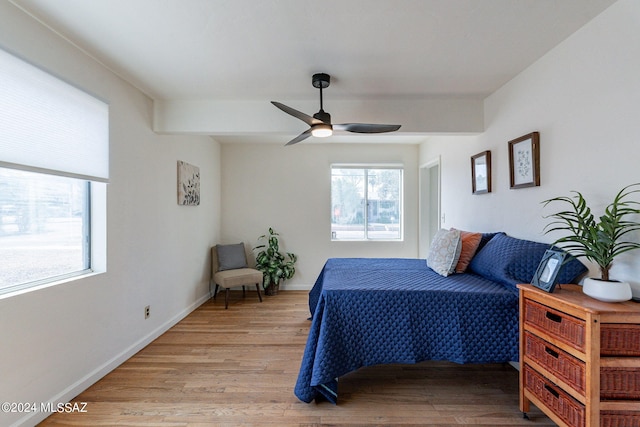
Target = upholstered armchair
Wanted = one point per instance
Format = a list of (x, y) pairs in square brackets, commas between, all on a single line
[(229, 269)]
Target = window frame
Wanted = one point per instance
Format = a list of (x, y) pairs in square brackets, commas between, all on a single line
[(84, 239), (366, 167)]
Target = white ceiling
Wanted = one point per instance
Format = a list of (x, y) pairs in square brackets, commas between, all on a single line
[(248, 51)]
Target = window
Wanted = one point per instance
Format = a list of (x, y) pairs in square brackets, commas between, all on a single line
[(44, 227), (366, 203), (54, 158)]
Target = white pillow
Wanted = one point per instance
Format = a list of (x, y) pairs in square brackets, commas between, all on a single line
[(444, 252)]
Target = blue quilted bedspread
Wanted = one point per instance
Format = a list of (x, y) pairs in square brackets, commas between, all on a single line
[(369, 311)]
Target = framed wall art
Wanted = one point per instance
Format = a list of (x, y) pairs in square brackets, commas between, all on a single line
[(481, 173), (188, 184), (524, 161)]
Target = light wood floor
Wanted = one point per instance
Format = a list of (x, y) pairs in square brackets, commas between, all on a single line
[(238, 367)]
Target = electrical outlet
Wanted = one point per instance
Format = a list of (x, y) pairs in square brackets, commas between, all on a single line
[(147, 312)]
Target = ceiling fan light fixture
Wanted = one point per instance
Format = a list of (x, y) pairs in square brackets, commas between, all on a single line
[(322, 130)]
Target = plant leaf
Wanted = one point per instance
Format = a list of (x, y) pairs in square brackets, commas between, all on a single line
[(597, 240)]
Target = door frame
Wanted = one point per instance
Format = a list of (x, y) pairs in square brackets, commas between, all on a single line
[(429, 218)]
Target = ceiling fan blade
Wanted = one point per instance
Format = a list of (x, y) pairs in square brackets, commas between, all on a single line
[(297, 114), (366, 127), (304, 135)]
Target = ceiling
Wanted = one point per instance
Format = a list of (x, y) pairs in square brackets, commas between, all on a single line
[(383, 56)]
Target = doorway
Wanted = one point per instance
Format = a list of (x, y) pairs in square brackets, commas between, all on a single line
[(429, 205)]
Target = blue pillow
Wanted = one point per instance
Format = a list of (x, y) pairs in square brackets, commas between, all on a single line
[(485, 239), (510, 261)]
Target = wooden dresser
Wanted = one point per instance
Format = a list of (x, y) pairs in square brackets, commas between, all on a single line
[(579, 358)]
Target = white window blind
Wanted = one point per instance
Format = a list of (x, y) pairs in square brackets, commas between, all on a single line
[(47, 125)]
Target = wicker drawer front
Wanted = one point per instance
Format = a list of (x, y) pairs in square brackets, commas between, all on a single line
[(563, 405), (556, 361), (620, 383), (620, 340), (562, 326), (620, 419)]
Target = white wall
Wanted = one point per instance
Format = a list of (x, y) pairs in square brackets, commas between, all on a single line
[(58, 340), (289, 189), (583, 97)]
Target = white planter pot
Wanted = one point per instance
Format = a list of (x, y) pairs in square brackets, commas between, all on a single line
[(607, 291)]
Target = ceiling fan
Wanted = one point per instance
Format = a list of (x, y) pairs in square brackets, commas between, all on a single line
[(320, 124)]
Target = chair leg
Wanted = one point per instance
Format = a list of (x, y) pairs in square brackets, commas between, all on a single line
[(258, 289), (215, 292), (244, 294), (226, 299)]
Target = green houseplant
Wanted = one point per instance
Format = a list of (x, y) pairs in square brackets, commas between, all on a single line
[(274, 265), (598, 239)]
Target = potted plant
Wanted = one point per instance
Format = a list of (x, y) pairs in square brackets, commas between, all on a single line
[(599, 240), (274, 265)]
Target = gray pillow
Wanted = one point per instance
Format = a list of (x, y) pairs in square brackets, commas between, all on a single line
[(231, 257), (444, 251)]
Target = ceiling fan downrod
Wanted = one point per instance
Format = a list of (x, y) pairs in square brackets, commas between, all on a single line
[(321, 81)]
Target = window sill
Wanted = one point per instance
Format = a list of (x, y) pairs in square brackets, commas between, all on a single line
[(31, 287)]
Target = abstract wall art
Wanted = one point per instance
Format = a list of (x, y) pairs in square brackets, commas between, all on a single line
[(188, 184)]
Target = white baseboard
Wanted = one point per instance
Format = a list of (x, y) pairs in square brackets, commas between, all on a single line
[(88, 380), (299, 287)]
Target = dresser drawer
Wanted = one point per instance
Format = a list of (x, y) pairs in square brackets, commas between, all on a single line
[(620, 340), (620, 383), (565, 328), (556, 361), (564, 406), (620, 419)]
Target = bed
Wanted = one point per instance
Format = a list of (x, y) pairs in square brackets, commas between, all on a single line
[(370, 311)]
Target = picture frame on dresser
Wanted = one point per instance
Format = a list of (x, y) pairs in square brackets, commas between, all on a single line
[(546, 274), (524, 161)]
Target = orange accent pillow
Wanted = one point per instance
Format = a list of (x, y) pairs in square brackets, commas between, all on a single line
[(470, 243)]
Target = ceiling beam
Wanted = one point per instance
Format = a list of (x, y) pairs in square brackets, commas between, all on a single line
[(229, 117)]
